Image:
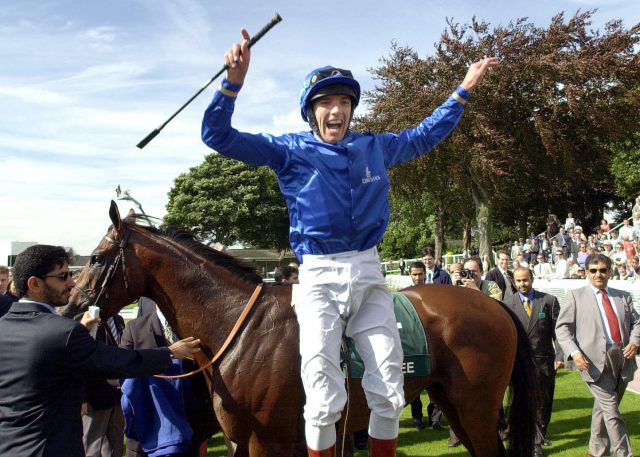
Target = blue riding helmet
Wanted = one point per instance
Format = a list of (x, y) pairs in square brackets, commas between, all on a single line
[(328, 81)]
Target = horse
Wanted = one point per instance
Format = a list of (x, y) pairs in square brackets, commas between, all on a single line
[(478, 348)]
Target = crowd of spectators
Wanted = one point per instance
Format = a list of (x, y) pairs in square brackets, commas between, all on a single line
[(561, 251)]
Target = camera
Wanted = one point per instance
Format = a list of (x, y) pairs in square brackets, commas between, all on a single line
[(465, 274)]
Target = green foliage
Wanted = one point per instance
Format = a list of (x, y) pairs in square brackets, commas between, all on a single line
[(223, 200), (624, 167)]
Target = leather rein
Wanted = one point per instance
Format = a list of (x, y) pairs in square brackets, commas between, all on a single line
[(107, 283)]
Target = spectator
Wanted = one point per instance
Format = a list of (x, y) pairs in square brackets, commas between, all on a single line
[(102, 419), (561, 266), (607, 247), (538, 311), (434, 273), (286, 275), (502, 276), (542, 270), (629, 249), (569, 222), (604, 226), (620, 272), (402, 266), (578, 272), (4, 279), (46, 358), (635, 215), (516, 249), (469, 275), (619, 256), (582, 254), (627, 230), (599, 330), (553, 225)]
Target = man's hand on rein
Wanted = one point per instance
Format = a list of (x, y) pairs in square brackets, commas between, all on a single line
[(184, 349)]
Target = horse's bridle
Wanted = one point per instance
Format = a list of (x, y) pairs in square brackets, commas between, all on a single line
[(108, 279)]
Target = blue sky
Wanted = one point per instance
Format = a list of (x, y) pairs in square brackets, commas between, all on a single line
[(81, 82)]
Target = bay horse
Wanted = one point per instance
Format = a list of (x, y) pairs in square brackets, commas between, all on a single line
[(477, 346)]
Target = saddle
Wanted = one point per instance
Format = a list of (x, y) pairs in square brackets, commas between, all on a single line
[(417, 360)]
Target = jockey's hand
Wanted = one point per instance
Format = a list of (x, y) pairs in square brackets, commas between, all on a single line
[(184, 349), (477, 71), (238, 57)]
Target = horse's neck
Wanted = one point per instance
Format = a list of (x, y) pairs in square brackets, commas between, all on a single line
[(198, 299)]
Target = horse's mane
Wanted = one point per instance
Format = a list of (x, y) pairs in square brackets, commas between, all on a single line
[(188, 240)]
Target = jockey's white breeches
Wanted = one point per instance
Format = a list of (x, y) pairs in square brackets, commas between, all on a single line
[(346, 294)]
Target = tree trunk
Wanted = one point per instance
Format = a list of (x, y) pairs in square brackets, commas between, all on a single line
[(466, 236), (439, 235), (483, 218)]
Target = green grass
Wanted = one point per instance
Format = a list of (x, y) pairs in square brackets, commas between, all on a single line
[(569, 428)]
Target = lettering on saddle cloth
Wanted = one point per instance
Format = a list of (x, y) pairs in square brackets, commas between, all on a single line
[(417, 361)]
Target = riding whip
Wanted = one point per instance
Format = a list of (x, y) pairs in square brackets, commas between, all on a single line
[(274, 20)]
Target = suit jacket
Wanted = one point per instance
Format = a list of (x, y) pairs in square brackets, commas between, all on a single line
[(496, 276), (542, 323), (440, 276), (580, 327), (101, 394), (45, 360), (5, 304)]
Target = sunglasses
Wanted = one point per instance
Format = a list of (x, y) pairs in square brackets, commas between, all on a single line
[(63, 276), (328, 73), (598, 270)]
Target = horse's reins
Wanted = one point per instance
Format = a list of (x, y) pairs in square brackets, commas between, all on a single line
[(106, 285), (227, 342)]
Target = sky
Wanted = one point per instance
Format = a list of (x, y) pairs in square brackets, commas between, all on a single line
[(82, 82)]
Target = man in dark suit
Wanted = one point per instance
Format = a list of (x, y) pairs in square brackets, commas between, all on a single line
[(538, 312), (102, 419), (600, 330), (5, 304), (434, 274), (502, 276), (46, 358)]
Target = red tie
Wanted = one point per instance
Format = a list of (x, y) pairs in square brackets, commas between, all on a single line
[(614, 326)]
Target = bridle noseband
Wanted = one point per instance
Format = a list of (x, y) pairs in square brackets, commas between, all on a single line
[(107, 282)]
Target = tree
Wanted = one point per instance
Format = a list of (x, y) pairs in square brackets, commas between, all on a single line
[(624, 167), (223, 200), (535, 135)]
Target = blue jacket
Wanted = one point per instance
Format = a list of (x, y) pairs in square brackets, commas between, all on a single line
[(155, 414), (337, 194)]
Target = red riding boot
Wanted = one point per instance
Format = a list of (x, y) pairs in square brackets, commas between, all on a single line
[(382, 448), (330, 452)]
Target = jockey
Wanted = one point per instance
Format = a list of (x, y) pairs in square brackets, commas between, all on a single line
[(335, 184)]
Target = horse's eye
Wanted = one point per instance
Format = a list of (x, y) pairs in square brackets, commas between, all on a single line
[(96, 259)]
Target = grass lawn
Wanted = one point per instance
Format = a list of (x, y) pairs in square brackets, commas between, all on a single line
[(569, 428)]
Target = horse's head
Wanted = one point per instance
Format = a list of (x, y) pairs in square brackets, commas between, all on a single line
[(112, 279)]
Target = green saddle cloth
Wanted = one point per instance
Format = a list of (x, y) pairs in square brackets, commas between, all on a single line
[(417, 361)]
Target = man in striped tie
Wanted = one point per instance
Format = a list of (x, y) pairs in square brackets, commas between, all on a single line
[(599, 329)]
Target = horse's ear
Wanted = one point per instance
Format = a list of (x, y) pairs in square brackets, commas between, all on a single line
[(131, 212), (114, 214)]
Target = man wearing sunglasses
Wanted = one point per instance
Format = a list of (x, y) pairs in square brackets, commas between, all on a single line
[(335, 184), (46, 359), (600, 330)]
